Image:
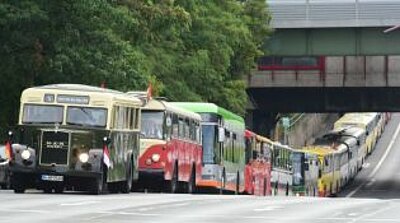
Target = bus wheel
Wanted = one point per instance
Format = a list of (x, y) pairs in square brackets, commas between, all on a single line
[(47, 190), (173, 184), (59, 189), (19, 190), (99, 185), (237, 183), (223, 182), (17, 184), (265, 187), (127, 185), (191, 185)]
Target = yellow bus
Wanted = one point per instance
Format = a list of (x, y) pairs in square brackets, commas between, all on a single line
[(75, 136), (329, 172), (360, 120)]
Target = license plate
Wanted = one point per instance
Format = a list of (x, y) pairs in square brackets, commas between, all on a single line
[(52, 178)]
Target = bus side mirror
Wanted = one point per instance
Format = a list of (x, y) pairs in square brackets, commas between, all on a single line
[(358, 143), (221, 134)]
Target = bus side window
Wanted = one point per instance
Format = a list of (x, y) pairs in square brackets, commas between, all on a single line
[(181, 128), (126, 118), (198, 133), (175, 126), (167, 126), (132, 118)]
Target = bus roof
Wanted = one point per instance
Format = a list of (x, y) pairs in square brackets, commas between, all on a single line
[(97, 96), (264, 139), (203, 107), (319, 150), (159, 105), (77, 87), (354, 119)]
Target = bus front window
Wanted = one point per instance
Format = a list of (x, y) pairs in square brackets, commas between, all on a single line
[(83, 116), (42, 114), (209, 143), (152, 124)]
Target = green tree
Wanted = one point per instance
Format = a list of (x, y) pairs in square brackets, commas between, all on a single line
[(189, 50)]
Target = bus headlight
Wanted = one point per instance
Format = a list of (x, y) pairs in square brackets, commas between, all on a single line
[(155, 157), (26, 154), (84, 157)]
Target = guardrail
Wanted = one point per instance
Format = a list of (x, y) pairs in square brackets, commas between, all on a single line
[(329, 13)]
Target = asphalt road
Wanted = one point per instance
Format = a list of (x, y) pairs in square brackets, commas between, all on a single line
[(372, 197)]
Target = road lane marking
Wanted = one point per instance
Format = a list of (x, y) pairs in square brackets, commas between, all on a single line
[(79, 203), (24, 211), (145, 209), (372, 181), (270, 208), (389, 148), (126, 213)]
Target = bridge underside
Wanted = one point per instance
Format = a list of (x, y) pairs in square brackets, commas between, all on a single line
[(328, 99), (334, 42)]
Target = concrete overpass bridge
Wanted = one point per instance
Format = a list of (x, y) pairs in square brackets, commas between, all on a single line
[(328, 56)]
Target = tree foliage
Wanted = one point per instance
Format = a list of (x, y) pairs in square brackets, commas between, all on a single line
[(190, 50)]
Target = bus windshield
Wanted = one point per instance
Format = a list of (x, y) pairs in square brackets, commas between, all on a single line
[(152, 124), (298, 174), (209, 143), (83, 116), (45, 114)]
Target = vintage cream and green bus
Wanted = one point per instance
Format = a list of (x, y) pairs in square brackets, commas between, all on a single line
[(76, 137)]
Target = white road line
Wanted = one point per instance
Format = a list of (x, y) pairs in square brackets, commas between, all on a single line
[(79, 203), (179, 204), (24, 211), (270, 208), (126, 213), (370, 182), (380, 161)]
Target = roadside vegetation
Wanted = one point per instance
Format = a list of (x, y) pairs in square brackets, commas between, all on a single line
[(189, 50)]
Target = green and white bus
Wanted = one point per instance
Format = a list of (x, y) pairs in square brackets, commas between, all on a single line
[(223, 146)]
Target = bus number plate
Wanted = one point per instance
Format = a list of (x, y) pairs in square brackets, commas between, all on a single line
[(52, 178)]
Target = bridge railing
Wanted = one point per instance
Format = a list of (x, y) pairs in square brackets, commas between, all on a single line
[(334, 13)]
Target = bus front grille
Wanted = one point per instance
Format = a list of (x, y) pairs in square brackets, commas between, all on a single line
[(55, 146)]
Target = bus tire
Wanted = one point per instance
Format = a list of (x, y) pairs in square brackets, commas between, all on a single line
[(127, 184), (287, 189), (191, 185), (99, 184), (223, 182), (59, 189), (265, 187), (173, 183), (237, 187), (17, 184)]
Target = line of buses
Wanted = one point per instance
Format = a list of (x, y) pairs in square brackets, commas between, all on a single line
[(78, 137)]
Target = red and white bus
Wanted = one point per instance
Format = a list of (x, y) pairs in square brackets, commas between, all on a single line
[(258, 164), (170, 146)]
